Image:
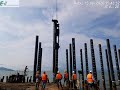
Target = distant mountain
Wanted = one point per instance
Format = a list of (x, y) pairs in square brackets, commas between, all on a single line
[(5, 69)]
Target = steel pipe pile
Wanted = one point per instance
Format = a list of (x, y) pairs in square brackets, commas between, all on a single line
[(39, 58), (102, 67), (86, 59), (35, 58), (111, 64), (117, 65), (74, 54), (81, 58), (93, 60)]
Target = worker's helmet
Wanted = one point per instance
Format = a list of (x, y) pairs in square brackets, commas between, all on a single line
[(73, 72), (90, 71), (58, 72)]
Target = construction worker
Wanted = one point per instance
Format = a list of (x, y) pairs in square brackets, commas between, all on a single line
[(90, 79), (74, 79), (25, 71), (37, 79), (44, 80), (65, 78), (59, 78)]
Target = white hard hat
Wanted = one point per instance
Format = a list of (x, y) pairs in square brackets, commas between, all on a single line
[(73, 72), (90, 71), (58, 72)]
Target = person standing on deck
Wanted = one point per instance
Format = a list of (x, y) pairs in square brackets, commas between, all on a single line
[(25, 71), (58, 79), (90, 79), (65, 78), (44, 80), (37, 79), (74, 79)]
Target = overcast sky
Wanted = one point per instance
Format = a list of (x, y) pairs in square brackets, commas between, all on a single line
[(19, 27)]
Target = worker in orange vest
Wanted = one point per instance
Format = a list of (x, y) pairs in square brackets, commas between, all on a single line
[(44, 80), (37, 79), (58, 79), (90, 79), (74, 79), (65, 77)]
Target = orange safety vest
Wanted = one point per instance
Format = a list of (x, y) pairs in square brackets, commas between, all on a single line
[(65, 75), (89, 78), (74, 77), (58, 76), (44, 77)]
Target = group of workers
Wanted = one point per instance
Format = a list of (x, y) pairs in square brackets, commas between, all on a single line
[(44, 78)]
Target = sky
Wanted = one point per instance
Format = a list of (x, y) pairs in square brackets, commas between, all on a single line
[(20, 25)]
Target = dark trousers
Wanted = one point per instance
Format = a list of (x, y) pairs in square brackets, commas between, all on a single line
[(44, 84), (91, 84), (65, 81), (74, 83), (59, 83)]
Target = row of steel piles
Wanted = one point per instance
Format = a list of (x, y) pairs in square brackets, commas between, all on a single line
[(112, 81), (71, 62), (37, 58), (111, 76), (72, 57)]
